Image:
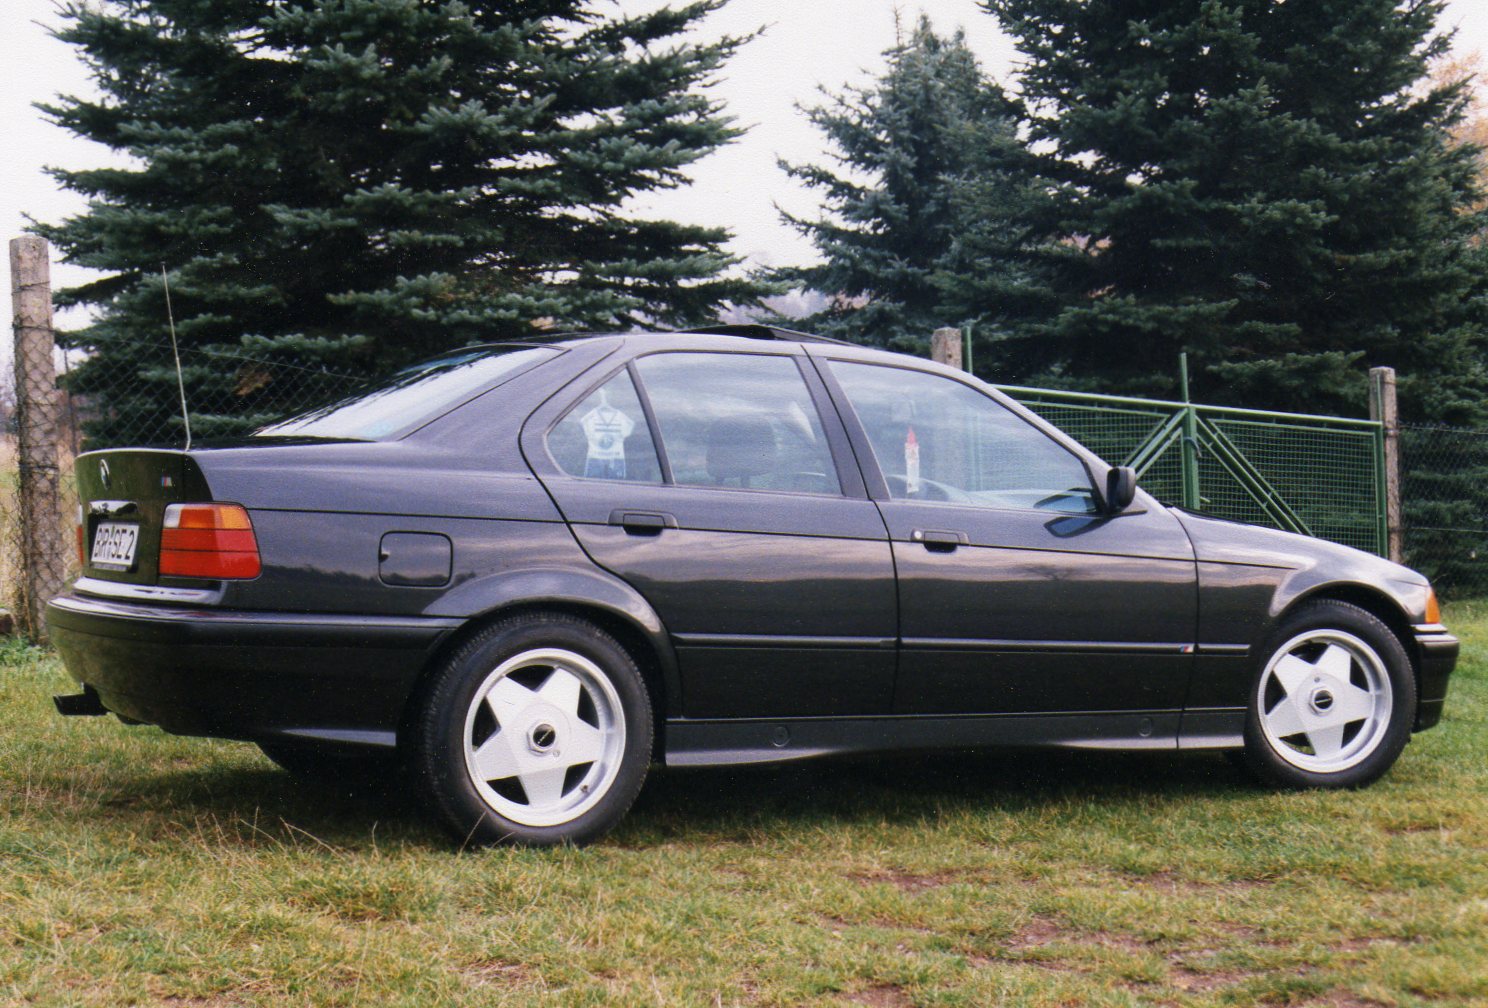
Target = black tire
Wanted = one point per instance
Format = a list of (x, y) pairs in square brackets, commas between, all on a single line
[(1315, 635), (356, 768), (456, 727)]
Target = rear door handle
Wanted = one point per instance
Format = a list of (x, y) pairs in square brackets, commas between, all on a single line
[(939, 540), (642, 523)]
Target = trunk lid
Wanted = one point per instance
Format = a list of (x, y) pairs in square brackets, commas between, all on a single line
[(124, 493)]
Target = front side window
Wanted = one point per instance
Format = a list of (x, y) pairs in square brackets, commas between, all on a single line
[(605, 436), (939, 440), (738, 420)]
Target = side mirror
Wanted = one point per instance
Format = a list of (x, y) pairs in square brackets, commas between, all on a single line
[(1121, 488)]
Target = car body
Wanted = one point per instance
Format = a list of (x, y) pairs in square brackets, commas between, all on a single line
[(793, 546)]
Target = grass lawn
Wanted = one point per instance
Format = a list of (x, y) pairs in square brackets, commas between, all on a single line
[(137, 868)]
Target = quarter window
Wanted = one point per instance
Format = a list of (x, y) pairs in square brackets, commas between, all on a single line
[(606, 436), (940, 440), (738, 420)]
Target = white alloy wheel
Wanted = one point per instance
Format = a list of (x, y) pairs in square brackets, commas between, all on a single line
[(1324, 701), (544, 737)]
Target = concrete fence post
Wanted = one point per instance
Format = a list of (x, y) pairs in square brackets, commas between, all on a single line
[(945, 347), (43, 545), (1384, 408)]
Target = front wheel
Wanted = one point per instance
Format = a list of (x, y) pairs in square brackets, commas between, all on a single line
[(1333, 702), (537, 731)]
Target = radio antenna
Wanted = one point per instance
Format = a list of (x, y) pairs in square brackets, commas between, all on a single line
[(176, 351)]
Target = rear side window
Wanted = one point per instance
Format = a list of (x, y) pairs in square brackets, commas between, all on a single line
[(606, 436), (414, 396), (738, 420)]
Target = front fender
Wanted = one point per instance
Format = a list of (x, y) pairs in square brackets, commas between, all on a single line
[(1407, 598)]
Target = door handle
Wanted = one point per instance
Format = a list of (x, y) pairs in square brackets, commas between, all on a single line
[(643, 523), (939, 540)]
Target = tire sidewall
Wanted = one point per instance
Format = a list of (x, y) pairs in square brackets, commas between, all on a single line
[(440, 744), (1329, 614)]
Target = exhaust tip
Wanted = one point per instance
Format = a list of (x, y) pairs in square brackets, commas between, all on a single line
[(84, 704)]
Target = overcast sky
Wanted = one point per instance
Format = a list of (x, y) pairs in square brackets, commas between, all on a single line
[(806, 44)]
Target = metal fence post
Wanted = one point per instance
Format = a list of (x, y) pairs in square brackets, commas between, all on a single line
[(1190, 453), (1384, 408), (945, 347), (38, 412)]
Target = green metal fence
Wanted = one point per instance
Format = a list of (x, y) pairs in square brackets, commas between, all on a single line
[(1318, 475)]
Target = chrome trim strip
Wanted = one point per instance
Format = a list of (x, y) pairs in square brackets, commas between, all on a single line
[(777, 641), (249, 619), (112, 508), (1100, 647), (1225, 650), (146, 593)]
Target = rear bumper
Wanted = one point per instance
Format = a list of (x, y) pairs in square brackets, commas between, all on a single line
[(1438, 652), (247, 675)]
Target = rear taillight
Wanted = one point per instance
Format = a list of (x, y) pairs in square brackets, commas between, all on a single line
[(208, 541), (82, 539)]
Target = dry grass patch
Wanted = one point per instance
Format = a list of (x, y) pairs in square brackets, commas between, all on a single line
[(881, 996)]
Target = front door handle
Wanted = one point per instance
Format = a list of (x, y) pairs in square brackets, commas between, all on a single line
[(939, 540), (642, 523)]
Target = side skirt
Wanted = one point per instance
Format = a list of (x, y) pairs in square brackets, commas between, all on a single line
[(692, 742)]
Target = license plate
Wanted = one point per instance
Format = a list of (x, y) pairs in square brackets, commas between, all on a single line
[(113, 545)]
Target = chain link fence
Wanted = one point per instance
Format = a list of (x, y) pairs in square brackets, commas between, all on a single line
[(10, 526), (1444, 487), (228, 391)]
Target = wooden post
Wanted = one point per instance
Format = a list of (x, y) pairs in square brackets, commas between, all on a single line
[(38, 414), (1384, 408), (945, 347)]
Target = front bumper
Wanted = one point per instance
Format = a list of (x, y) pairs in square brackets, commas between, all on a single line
[(246, 675), (1437, 651)]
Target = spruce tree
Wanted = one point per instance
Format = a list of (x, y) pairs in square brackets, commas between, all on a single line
[(927, 191), (347, 185), (1270, 186)]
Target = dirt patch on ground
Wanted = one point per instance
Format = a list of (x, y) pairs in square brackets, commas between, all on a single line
[(906, 881), (1029, 944), (494, 973), (1171, 882), (1186, 978), (1037, 933), (1371, 942), (881, 996), (1041, 931)]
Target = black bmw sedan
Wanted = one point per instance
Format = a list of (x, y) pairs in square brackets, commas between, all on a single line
[(519, 573)]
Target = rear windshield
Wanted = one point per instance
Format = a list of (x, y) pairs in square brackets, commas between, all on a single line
[(413, 396)]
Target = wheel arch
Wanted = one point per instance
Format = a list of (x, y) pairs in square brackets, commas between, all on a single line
[(606, 602), (1372, 600)]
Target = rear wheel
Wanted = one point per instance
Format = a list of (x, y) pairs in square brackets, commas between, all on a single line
[(1333, 702), (537, 731)]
